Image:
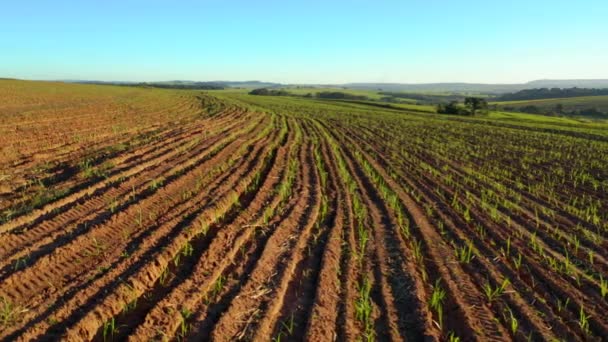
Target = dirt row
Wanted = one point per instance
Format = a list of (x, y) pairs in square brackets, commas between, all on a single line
[(526, 284)]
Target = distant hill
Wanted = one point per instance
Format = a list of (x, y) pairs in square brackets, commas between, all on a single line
[(180, 84), (454, 87), (584, 106), (568, 84), (437, 87), (477, 87), (225, 84), (551, 93), (250, 84)]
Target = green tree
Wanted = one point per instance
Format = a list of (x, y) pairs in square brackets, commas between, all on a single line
[(475, 104), (450, 108)]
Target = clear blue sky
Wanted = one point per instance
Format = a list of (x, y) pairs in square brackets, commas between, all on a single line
[(305, 41)]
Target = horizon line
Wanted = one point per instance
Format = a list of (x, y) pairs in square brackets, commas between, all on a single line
[(307, 83)]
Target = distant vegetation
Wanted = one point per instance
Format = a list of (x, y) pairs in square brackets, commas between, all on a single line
[(337, 95), (576, 102), (558, 110), (332, 95), (551, 93), (165, 85), (471, 106), (585, 106), (269, 92), (397, 88), (193, 86), (423, 98)]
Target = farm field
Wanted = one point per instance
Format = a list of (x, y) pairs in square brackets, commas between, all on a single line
[(300, 90), (570, 104), (147, 214)]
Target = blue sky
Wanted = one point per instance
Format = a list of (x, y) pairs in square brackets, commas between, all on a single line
[(311, 41)]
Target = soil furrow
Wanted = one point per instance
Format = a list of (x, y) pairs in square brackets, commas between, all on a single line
[(238, 320), (215, 265), (178, 215)]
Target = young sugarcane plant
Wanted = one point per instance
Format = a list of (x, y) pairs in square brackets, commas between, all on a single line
[(436, 301), (493, 293), (465, 253)]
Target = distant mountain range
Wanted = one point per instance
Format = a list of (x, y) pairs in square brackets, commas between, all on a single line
[(390, 87)]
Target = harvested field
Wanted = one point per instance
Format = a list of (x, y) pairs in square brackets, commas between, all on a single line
[(147, 214)]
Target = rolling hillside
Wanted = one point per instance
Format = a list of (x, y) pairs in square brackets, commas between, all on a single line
[(577, 106)]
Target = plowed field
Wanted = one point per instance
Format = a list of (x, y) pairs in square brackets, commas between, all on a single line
[(142, 214)]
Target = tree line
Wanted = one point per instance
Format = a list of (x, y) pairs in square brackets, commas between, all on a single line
[(333, 95), (551, 93), (191, 86), (269, 92), (421, 98), (558, 110)]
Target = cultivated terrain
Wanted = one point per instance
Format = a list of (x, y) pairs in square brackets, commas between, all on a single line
[(132, 213)]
